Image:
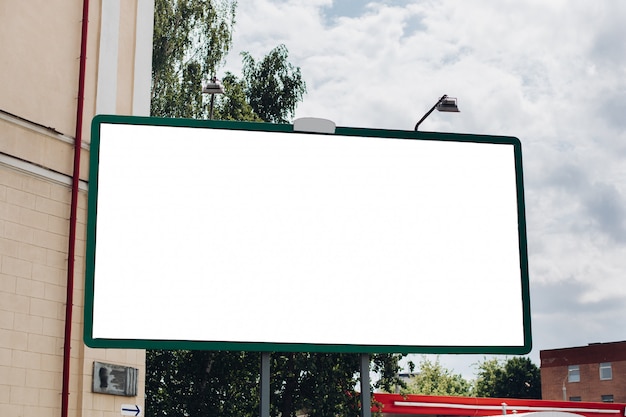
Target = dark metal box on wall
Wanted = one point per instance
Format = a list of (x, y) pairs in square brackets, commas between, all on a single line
[(114, 379)]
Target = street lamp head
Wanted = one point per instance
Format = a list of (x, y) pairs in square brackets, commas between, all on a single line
[(448, 104), (213, 87)]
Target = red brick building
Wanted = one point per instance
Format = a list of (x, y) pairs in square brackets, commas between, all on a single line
[(596, 372)]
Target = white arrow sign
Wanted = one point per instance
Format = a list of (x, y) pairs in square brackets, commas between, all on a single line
[(131, 410)]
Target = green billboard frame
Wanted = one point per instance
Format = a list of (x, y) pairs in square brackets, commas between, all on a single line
[(142, 343)]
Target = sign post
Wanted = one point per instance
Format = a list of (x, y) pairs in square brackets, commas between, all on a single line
[(366, 396)]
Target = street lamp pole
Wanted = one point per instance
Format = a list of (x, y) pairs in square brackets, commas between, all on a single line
[(213, 87), (445, 104)]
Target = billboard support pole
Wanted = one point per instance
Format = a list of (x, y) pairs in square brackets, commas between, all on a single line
[(265, 385), (366, 400)]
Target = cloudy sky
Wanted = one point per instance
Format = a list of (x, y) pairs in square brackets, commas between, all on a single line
[(552, 73)]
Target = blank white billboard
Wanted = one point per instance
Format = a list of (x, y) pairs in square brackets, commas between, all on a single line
[(234, 236)]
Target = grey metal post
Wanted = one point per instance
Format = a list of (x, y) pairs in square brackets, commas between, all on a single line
[(265, 385), (366, 398), (211, 107)]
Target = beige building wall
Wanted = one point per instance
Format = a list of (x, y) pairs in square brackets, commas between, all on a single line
[(40, 42)]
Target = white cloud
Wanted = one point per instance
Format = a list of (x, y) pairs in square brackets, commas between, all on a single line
[(552, 73)]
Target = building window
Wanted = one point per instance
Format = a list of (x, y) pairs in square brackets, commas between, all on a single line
[(607, 398), (576, 398), (573, 373), (605, 371)]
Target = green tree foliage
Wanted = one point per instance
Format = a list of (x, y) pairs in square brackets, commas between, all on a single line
[(490, 375), (318, 383), (518, 377), (433, 379), (198, 383), (191, 39), (322, 384), (273, 86), (234, 104)]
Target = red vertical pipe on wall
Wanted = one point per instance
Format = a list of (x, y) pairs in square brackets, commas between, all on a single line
[(71, 252)]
